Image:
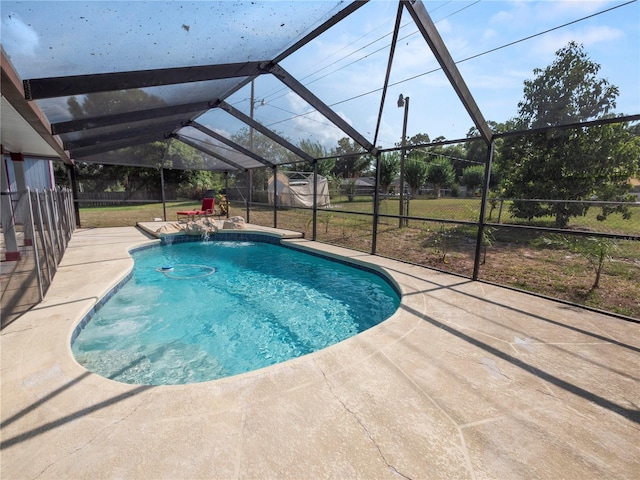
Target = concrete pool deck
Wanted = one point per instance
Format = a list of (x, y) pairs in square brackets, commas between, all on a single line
[(466, 380)]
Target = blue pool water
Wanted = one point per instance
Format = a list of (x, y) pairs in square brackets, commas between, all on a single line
[(199, 311)]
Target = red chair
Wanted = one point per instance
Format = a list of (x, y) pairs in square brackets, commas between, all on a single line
[(207, 208)]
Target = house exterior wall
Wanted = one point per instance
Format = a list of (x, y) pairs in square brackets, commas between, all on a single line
[(38, 173)]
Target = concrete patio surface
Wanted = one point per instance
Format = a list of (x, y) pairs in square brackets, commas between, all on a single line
[(465, 381)]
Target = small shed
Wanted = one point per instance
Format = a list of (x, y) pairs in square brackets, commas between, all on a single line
[(295, 189)]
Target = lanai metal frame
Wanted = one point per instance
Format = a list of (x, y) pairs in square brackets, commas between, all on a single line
[(81, 139)]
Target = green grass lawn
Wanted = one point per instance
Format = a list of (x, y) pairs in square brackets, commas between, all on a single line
[(515, 257), (460, 209), (468, 209), (129, 215)]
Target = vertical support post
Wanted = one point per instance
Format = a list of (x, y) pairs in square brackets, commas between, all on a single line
[(250, 172), (69, 212), (36, 257), (392, 50), (43, 238), (376, 205), (50, 227), (401, 222), (18, 170), (275, 196), (55, 223), (164, 198), (64, 220), (162, 162), (74, 189), (60, 220), (249, 188), (21, 186), (314, 230), (6, 216), (226, 195), (29, 226), (483, 208)]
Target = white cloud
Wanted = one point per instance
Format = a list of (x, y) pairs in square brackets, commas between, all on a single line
[(489, 33), (221, 131), (523, 12), (18, 37), (443, 26), (552, 11), (518, 14), (314, 125), (589, 37)]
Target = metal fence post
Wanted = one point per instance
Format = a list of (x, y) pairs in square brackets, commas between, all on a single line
[(483, 207), (43, 238), (275, 196), (376, 205), (52, 237), (315, 201), (34, 244)]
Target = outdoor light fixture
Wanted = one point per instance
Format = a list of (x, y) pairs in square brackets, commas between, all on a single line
[(403, 102)]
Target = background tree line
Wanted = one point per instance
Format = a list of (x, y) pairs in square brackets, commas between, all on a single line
[(573, 164)]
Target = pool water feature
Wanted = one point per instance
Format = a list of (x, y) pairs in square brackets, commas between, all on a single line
[(193, 312)]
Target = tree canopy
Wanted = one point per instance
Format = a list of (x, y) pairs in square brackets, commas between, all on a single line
[(573, 164), (111, 176), (389, 168), (441, 173), (415, 174), (354, 163)]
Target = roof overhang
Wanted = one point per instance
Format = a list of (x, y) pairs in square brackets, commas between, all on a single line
[(25, 129)]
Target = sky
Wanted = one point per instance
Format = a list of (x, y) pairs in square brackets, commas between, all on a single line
[(497, 46), (495, 79)]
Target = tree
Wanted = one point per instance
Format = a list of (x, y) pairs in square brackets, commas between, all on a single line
[(575, 164), (415, 174), (107, 103), (267, 149), (566, 91), (389, 168), (440, 172), (473, 177), (113, 174), (417, 139), (354, 163), (316, 150), (596, 250)]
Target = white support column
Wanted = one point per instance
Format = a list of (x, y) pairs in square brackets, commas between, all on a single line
[(6, 216), (21, 216)]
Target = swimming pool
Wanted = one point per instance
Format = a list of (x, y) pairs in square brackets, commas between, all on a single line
[(199, 311)]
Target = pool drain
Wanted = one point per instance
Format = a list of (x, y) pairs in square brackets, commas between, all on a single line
[(186, 271)]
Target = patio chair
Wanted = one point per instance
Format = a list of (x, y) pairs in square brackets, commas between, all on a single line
[(208, 205)]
